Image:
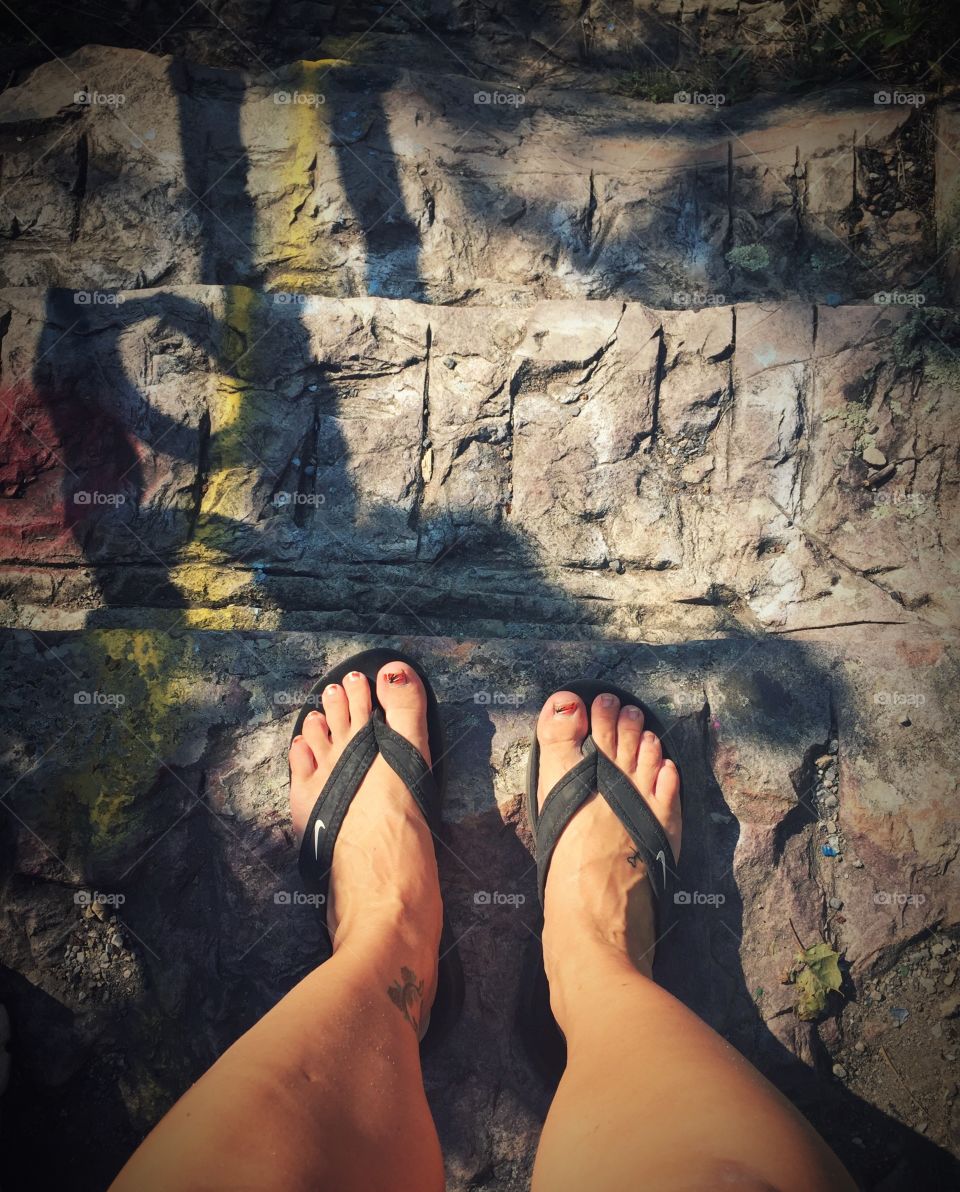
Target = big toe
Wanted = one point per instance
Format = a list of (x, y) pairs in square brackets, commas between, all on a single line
[(403, 698), (561, 730)]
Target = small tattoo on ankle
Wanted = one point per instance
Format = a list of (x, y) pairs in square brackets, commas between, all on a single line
[(407, 994), (635, 860)]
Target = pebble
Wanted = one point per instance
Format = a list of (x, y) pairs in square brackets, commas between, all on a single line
[(835, 903), (823, 761), (937, 949), (831, 801), (928, 985), (898, 1014), (858, 864), (839, 1071), (833, 747), (949, 978), (859, 1048), (949, 1007), (831, 826)]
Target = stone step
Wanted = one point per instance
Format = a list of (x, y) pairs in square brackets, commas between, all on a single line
[(217, 457), (150, 770), (330, 178)]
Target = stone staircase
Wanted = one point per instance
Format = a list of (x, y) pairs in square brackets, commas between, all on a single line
[(548, 383)]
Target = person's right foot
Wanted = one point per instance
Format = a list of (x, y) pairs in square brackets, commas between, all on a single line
[(596, 882)]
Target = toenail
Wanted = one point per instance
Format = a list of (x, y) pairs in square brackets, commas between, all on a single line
[(649, 737), (331, 690), (564, 709), (354, 675), (607, 701), (395, 677), (313, 715), (632, 712)]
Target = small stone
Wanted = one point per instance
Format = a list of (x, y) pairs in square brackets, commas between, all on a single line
[(873, 457), (937, 949), (835, 903), (857, 864), (823, 761), (833, 747), (949, 979), (834, 842), (928, 985), (949, 1007), (839, 1071), (859, 1048), (898, 1014), (831, 801), (831, 826), (449, 362), (936, 1030)]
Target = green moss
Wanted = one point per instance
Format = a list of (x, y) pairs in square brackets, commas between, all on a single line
[(752, 257)]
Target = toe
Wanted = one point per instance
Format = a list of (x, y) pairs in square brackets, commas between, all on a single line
[(649, 758), (317, 735), (563, 719), (667, 803), (337, 711), (603, 719), (359, 700), (629, 735), (404, 702), (303, 763)]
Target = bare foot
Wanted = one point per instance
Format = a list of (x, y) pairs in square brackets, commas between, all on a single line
[(384, 866), (596, 881)]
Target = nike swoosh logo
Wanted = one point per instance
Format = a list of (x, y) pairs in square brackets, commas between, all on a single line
[(663, 865), (318, 827)]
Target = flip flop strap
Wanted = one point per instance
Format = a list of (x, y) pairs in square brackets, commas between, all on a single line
[(596, 772), (326, 818)]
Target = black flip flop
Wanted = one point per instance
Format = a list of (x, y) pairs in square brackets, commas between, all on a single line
[(538, 1028), (425, 783)]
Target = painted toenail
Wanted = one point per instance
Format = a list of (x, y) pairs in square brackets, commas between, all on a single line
[(607, 701), (395, 677), (564, 709), (333, 689), (313, 715), (354, 675), (632, 712)]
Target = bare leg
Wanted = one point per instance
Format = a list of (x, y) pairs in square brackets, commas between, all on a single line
[(325, 1092), (652, 1097)]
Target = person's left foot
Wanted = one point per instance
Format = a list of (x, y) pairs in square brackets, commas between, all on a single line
[(384, 870)]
